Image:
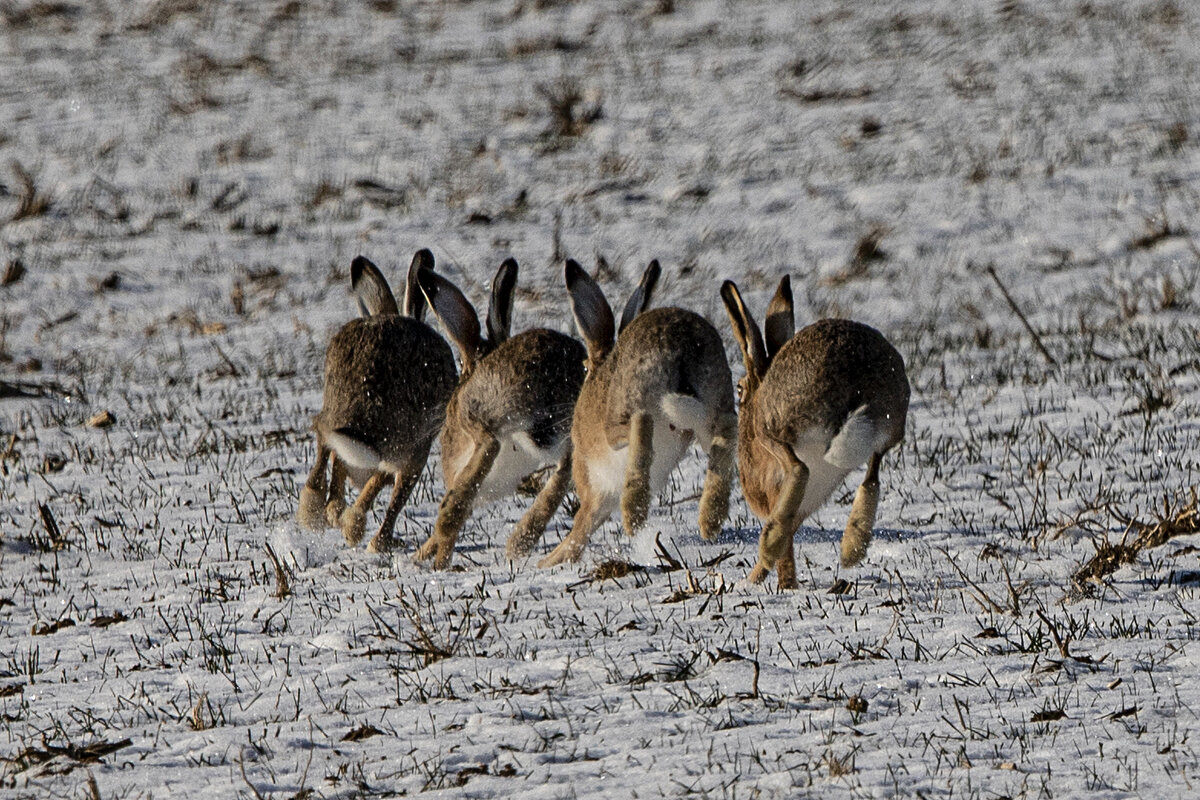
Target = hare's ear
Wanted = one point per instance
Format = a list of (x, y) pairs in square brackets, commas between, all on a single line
[(499, 317), (454, 312), (593, 316), (371, 289), (640, 298), (745, 330), (780, 322), (414, 300)]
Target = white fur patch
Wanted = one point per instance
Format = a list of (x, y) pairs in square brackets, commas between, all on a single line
[(519, 456), (358, 455), (606, 473), (669, 446), (857, 440), (823, 478), (686, 412)]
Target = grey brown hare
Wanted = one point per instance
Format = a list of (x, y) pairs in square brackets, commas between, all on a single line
[(388, 378), (815, 405), (654, 383), (509, 416)]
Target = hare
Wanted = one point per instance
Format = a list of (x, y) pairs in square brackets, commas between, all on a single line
[(509, 416), (662, 383), (387, 381), (814, 406)]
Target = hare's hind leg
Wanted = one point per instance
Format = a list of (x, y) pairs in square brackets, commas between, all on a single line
[(456, 505), (311, 512), (775, 543), (714, 500), (635, 499), (785, 567), (532, 526), (406, 480), (857, 537), (337, 491), (593, 511), (354, 519)]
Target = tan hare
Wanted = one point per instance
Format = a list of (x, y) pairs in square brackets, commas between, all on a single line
[(663, 382), (814, 406), (388, 378), (509, 417)]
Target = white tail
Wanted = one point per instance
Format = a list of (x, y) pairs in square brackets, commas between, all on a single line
[(688, 413), (355, 452), (858, 438)]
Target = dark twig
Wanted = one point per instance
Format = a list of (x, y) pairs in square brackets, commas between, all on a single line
[(1037, 340)]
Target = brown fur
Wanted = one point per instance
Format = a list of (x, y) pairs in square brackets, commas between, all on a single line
[(525, 383), (814, 381), (387, 381), (661, 352)]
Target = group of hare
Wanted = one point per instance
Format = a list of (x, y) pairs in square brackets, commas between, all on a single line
[(614, 414)]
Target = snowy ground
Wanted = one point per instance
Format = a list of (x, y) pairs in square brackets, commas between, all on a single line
[(182, 188)]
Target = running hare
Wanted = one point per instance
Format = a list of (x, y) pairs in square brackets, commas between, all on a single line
[(815, 406), (664, 382), (509, 416), (387, 380)]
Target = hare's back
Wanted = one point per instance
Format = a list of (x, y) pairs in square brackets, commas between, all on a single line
[(672, 350), (530, 382), (387, 378), (828, 370)]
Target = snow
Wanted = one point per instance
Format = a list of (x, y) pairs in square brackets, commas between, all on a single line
[(227, 161)]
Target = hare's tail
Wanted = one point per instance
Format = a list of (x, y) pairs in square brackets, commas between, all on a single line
[(859, 437), (686, 412), (352, 449)]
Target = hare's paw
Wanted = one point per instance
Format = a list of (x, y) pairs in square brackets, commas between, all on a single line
[(334, 510), (311, 513), (354, 525), (382, 543), (759, 573), (520, 545), (566, 553), (427, 550)]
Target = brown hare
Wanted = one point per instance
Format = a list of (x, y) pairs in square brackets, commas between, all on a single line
[(509, 417), (387, 381), (814, 406), (663, 382)]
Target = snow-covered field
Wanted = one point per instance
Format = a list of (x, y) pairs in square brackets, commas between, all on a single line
[(182, 188)]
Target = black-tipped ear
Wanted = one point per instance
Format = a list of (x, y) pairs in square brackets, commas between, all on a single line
[(454, 312), (780, 322), (414, 300), (371, 289), (592, 314), (499, 316), (639, 299), (745, 330)]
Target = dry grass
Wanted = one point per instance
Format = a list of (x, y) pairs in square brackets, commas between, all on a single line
[(31, 200), (1178, 517), (571, 108)]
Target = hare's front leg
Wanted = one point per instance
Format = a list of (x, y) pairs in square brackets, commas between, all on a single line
[(635, 499), (354, 518), (857, 537), (456, 505), (405, 481), (311, 512), (714, 500), (336, 503), (775, 542), (530, 529), (592, 513)]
